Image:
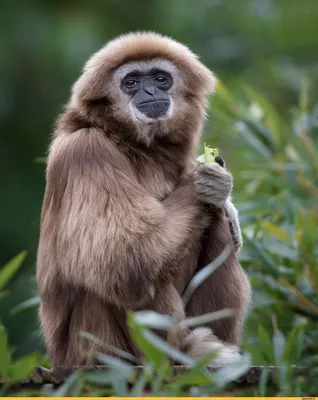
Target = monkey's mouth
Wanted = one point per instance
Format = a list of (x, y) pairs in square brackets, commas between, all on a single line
[(154, 108), (154, 101)]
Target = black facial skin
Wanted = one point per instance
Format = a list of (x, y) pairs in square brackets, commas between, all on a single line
[(149, 91)]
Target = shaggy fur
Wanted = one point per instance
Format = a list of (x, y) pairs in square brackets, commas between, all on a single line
[(125, 222)]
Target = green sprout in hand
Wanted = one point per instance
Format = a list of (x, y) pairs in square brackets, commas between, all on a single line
[(209, 155)]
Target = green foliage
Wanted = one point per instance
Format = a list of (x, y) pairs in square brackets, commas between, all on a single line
[(157, 376), (12, 371), (276, 173)]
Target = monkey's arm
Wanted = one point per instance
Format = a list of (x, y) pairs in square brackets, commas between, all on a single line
[(232, 214), (213, 184), (100, 229)]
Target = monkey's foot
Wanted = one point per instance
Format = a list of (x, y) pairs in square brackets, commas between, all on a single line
[(202, 341)]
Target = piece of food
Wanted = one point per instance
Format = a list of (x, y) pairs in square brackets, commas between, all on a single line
[(209, 155)]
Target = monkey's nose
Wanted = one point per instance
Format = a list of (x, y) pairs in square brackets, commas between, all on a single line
[(150, 90)]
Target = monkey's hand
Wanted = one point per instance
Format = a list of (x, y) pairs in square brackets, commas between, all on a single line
[(213, 183)]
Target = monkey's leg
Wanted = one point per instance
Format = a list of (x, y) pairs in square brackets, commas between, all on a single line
[(69, 311), (168, 301), (197, 342), (106, 322), (227, 287), (54, 324)]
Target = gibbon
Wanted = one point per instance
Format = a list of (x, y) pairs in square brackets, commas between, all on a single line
[(128, 217)]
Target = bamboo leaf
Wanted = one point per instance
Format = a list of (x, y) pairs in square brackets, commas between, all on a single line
[(279, 346), (112, 349), (265, 344), (8, 271), (152, 353), (275, 230), (166, 348), (5, 352), (22, 368), (207, 318), (34, 301), (204, 273), (154, 320), (263, 382)]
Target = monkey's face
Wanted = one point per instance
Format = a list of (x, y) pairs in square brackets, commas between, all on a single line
[(147, 90)]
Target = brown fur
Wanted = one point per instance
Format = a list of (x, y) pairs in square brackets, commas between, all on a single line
[(121, 225)]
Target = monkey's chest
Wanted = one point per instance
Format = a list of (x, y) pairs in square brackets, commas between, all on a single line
[(157, 183), (157, 180), (157, 171)]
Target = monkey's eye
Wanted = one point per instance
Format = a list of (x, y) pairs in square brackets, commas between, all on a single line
[(161, 79), (131, 83)]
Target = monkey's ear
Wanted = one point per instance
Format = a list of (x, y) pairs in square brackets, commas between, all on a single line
[(89, 87)]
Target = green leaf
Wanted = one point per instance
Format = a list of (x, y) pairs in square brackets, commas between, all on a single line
[(41, 160), (163, 374), (272, 118), (259, 254), (197, 374), (279, 346), (112, 349), (252, 139), (275, 230), (204, 273), (265, 344), (261, 132), (256, 354), (207, 318), (64, 390), (119, 375), (263, 382), (32, 302), (165, 348), (78, 385), (5, 352), (299, 342), (150, 351), (120, 366), (22, 368), (281, 249), (154, 320), (7, 271), (291, 345), (209, 155), (143, 378)]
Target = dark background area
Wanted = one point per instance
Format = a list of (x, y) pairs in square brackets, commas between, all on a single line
[(266, 44)]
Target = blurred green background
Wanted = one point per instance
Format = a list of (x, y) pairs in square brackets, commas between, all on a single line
[(271, 46)]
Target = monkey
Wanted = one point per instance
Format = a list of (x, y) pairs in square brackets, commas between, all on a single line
[(128, 218)]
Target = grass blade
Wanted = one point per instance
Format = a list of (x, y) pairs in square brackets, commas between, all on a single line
[(204, 273), (7, 271)]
